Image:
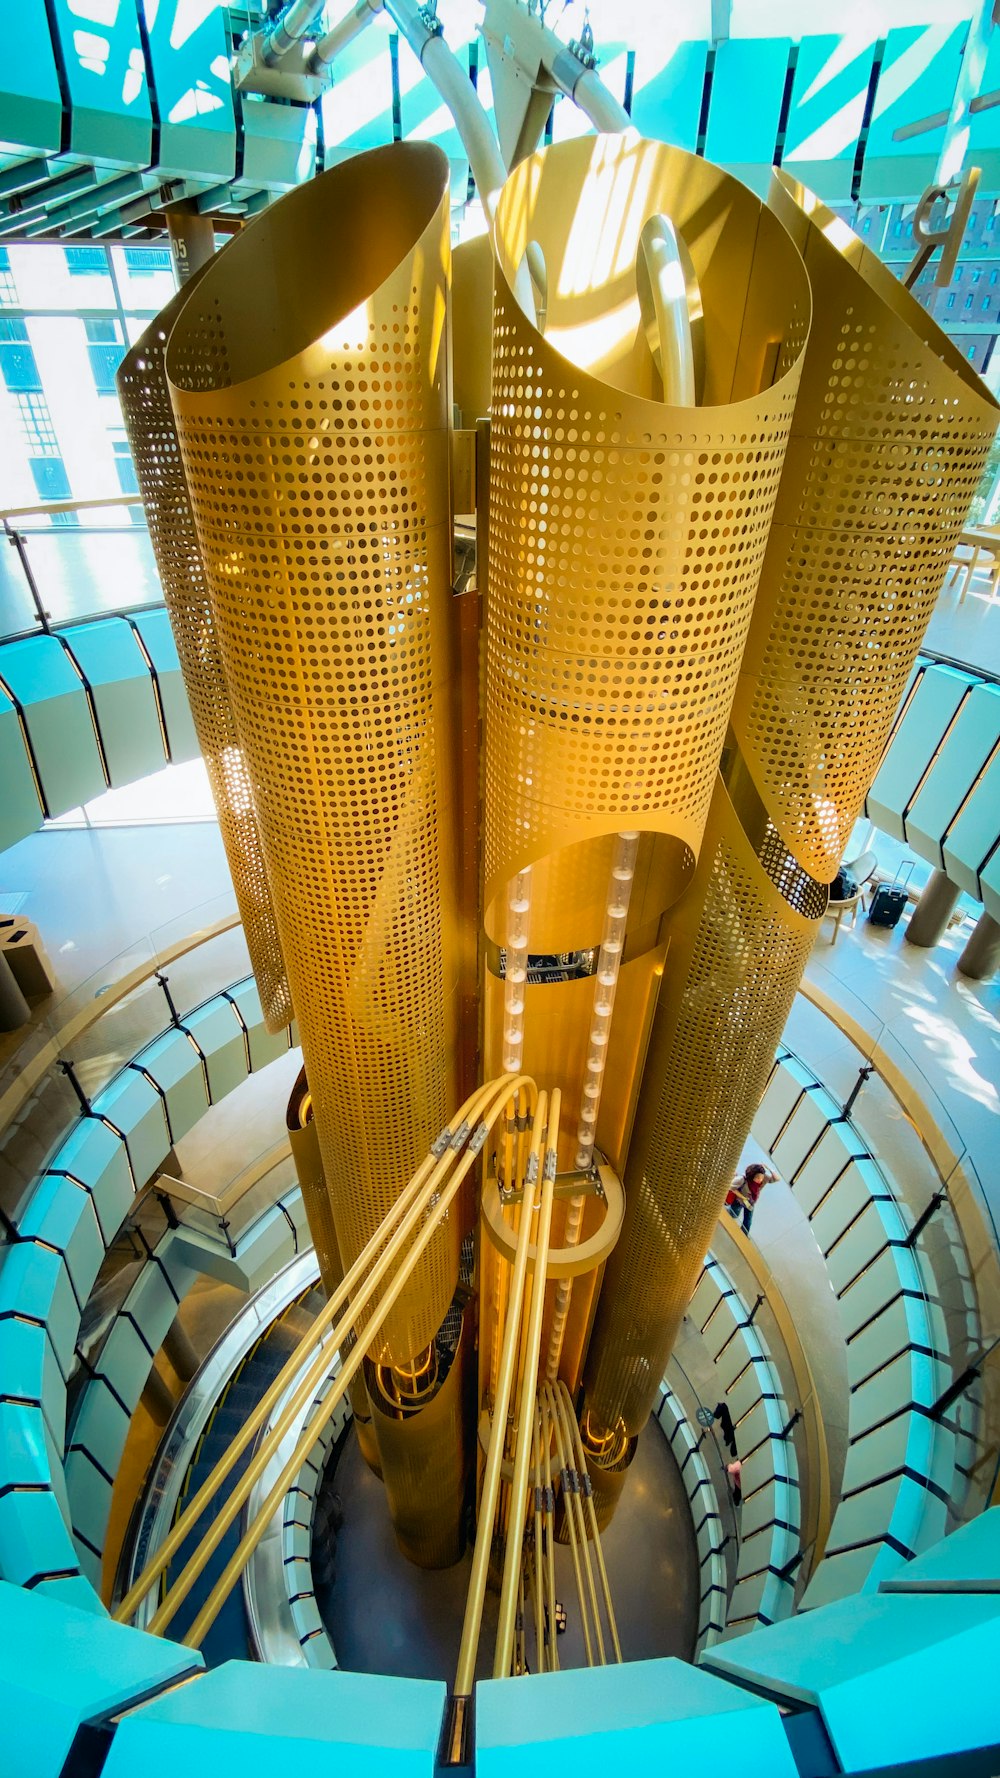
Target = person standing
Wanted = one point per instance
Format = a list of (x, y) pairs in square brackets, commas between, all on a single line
[(745, 1190)]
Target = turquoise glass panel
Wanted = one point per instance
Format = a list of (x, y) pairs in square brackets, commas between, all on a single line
[(668, 86), (745, 108), (919, 71), (826, 112), (110, 118), (30, 103), (189, 55)]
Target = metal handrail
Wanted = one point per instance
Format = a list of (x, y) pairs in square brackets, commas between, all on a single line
[(32, 1068), (425, 1202), (813, 1537), (157, 1501), (50, 506)]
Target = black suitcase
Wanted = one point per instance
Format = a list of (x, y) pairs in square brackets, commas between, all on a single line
[(890, 899)]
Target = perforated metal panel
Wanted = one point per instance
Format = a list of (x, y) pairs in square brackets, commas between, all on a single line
[(313, 426), (626, 536), (891, 432), (737, 951), (149, 421)]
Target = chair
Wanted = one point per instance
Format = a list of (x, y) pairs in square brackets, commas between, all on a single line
[(837, 909), (863, 869)]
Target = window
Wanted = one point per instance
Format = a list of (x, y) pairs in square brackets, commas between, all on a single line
[(17, 360), (968, 302), (36, 425), (105, 349), (985, 302), (50, 478), (126, 475), (993, 277), (8, 288), (975, 276), (142, 262), (84, 262), (951, 300)]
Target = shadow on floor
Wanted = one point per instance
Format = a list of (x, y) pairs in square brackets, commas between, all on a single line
[(386, 1616)]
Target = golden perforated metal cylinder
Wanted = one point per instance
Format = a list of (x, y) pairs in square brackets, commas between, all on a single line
[(890, 434), (152, 436), (626, 540), (626, 536), (736, 952), (309, 378)]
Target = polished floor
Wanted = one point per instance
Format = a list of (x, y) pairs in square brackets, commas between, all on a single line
[(967, 630), (386, 1616)]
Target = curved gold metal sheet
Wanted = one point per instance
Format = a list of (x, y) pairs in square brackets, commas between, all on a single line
[(736, 952), (472, 327), (626, 536), (424, 1465), (152, 436), (890, 435), (309, 377)]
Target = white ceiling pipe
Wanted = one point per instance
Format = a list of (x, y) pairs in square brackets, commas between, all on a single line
[(294, 24), (452, 81), (343, 33)]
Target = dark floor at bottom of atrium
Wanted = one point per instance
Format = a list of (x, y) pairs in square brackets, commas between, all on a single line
[(386, 1616)]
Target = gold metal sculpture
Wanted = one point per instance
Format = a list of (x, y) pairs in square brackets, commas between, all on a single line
[(313, 426), (707, 548), (152, 436), (889, 439), (891, 432), (626, 537)]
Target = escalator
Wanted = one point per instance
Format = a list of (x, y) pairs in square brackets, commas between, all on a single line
[(228, 1637)]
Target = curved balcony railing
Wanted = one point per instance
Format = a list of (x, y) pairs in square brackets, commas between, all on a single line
[(70, 560)]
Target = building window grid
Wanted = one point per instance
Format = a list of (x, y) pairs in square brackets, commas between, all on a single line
[(8, 287), (86, 262), (36, 424), (143, 262)]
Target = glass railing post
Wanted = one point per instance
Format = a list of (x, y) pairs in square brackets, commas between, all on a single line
[(16, 540)]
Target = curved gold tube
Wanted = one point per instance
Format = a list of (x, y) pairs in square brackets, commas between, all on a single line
[(550, 1533), (567, 1424), (433, 1213), (539, 1554), (595, 1536), (553, 1431), (490, 1493), (514, 1553), (406, 1211)]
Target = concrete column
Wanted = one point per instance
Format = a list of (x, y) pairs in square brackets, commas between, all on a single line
[(180, 1352), (982, 953), (192, 239), (933, 911), (14, 1009)]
